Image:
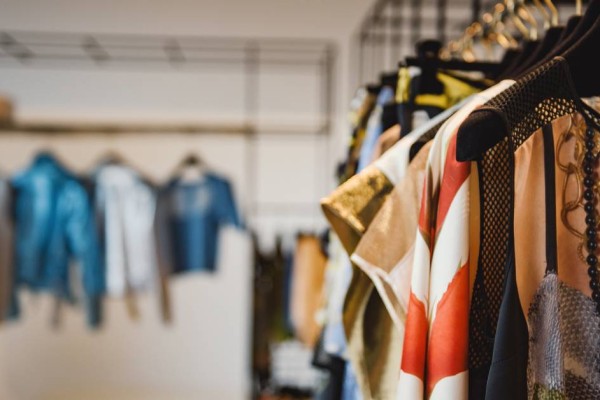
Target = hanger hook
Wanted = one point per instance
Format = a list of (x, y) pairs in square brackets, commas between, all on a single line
[(554, 11), (510, 7), (544, 13), (527, 16)]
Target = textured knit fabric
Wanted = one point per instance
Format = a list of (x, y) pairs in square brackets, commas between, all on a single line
[(551, 272), (435, 350)]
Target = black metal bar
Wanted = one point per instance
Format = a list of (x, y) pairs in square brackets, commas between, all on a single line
[(442, 6), (476, 9), (14, 48), (94, 50), (174, 52), (415, 20)]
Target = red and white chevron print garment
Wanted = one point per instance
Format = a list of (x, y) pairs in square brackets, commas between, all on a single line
[(435, 350)]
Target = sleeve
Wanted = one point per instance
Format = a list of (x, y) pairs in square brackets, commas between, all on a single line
[(227, 210), (83, 243)]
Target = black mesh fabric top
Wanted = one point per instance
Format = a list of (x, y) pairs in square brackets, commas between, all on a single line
[(489, 136)]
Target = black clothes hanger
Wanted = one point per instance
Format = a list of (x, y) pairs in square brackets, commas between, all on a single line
[(580, 30), (529, 47), (373, 88), (509, 56), (570, 27), (543, 95), (584, 72), (427, 52), (565, 78), (191, 161), (550, 40), (112, 157), (389, 79)]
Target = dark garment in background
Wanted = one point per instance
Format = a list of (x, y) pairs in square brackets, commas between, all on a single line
[(335, 369), (389, 116), (288, 273), (189, 217), (6, 250), (268, 325), (54, 226)]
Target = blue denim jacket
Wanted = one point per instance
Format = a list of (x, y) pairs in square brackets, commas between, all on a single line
[(189, 216), (55, 225)]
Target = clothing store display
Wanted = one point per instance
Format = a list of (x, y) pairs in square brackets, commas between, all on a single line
[(108, 225), (307, 288), (350, 209), (54, 223), (189, 216)]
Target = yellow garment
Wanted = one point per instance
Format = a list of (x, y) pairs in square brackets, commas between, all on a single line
[(403, 85), (455, 90)]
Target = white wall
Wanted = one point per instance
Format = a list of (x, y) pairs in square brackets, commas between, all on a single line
[(205, 353)]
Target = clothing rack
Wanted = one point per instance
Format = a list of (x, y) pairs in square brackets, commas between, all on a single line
[(390, 29), (23, 49)]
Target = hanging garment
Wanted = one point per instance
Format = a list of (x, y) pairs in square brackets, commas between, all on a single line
[(435, 350), (545, 123), (54, 224), (188, 220), (6, 250), (387, 139), (375, 127), (268, 325), (337, 279), (409, 98), (552, 280), (361, 108), (307, 288), (349, 210), (378, 329), (353, 205), (125, 207)]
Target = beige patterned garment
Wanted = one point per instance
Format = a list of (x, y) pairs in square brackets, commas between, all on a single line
[(564, 329)]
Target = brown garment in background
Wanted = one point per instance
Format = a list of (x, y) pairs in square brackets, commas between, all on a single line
[(385, 141), (307, 288)]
